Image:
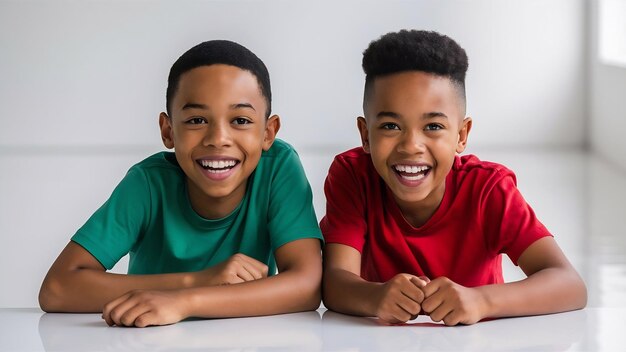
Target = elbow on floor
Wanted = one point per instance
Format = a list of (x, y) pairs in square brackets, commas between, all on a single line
[(49, 296)]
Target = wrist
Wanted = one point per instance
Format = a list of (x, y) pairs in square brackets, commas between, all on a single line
[(376, 295), (185, 302), (485, 302)]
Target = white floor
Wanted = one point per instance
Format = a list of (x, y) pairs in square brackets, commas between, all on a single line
[(46, 196)]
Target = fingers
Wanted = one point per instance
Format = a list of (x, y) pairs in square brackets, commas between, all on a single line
[(394, 314), (129, 317), (450, 302), (146, 319), (400, 299), (123, 311), (424, 278), (109, 312), (440, 312), (408, 304), (399, 315), (452, 318), (139, 315), (447, 313), (255, 268), (402, 311), (414, 293), (433, 286), (144, 308), (244, 268), (420, 281), (431, 299), (244, 274)]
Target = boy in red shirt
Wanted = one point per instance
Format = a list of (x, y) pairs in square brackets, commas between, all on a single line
[(410, 226)]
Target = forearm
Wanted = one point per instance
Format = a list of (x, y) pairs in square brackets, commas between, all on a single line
[(348, 293), (547, 291), (287, 292), (87, 290)]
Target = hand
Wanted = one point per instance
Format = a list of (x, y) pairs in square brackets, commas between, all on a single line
[(144, 308), (454, 304), (400, 298), (236, 269)]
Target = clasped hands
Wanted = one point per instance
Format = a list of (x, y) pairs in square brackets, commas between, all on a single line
[(142, 308), (399, 300), (405, 296)]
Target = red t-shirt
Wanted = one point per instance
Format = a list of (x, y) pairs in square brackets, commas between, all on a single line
[(482, 215)]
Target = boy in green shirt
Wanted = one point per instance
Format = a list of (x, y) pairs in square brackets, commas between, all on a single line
[(206, 226)]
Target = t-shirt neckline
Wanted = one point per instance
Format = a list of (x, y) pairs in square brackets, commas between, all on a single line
[(406, 227), (211, 224)]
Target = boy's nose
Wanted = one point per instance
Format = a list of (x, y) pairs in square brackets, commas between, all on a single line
[(412, 143), (217, 136)]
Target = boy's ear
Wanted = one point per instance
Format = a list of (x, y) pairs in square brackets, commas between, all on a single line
[(272, 125), (463, 134), (165, 123), (361, 123)]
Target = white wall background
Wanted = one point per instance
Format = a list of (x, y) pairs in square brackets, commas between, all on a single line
[(82, 84), (608, 82)]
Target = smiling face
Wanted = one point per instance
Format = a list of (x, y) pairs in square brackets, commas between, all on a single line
[(218, 129), (413, 127)]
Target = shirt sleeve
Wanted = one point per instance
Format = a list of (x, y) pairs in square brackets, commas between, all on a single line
[(291, 215), (344, 222), (115, 227), (510, 223)]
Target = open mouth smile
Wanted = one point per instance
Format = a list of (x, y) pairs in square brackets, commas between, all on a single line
[(411, 175), (217, 165), (218, 169)]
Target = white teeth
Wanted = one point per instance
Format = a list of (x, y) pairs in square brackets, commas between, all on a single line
[(411, 169), (413, 178), (218, 164)]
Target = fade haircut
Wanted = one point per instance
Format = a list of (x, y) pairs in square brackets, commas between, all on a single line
[(219, 52), (413, 50)]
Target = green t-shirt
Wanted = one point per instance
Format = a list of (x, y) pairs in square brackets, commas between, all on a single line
[(149, 215)]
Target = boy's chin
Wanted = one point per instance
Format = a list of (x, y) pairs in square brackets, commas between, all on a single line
[(409, 199), (220, 192), (407, 194)]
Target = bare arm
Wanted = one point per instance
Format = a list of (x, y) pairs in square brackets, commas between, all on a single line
[(552, 286), (296, 288), (397, 300), (344, 290), (77, 282)]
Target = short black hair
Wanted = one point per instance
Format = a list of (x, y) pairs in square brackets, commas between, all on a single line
[(415, 50), (219, 52)]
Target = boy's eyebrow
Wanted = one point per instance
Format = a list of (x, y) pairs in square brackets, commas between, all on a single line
[(391, 114), (242, 106), (394, 115), (195, 106), (434, 114), (204, 107)]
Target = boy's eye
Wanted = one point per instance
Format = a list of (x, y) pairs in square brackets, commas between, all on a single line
[(433, 127), (196, 121), (390, 126), (241, 121)]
